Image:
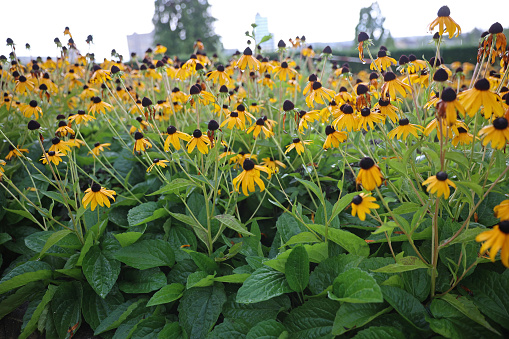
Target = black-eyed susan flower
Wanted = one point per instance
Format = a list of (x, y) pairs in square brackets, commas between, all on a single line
[(445, 22), (284, 71), (319, 94), (141, 144), (174, 137), (259, 127), (98, 148), (203, 97), (480, 95), (298, 145), (234, 121), (157, 162), (100, 75), (160, 49), (249, 177), (362, 204), (347, 119), (449, 106), (273, 165), (462, 137), (308, 52), (387, 109), (368, 117), (52, 156), (392, 85), (219, 76), (242, 156), (97, 195), (63, 130), (382, 62), (439, 184), (369, 175), (15, 152), (307, 117), (502, 210), (58, 145), (254, 108), (497, 134), (344, 97), (32, 109), (199, 141), (248, 61), (2, 164), (266, 81), (73, 142), (362, 39), (309, 85), (82, 116), (416, 64), (404, 129), (496, 239), (24, 85), (244, 115), (334, 138), (496, 40), (98, 106)]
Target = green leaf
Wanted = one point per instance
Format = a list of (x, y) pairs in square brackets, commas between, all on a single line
[(171, 331), (167, 294), (230, 328), (146, 254), (20, 296), (404, 264), (231, 222), (325, 273), (467, 236), (297, 269), (471, 186), (458, 158), (66, 306), (199, 279), (468, 308), (349, 241), (197, 227), (149, 328), (52, 240), (95, 309), (136, 281), (313, 187), (175, 186), (101, 271), (144, 213), (32, 323), (352, 316), (263, 284), (24, 274), (380, 332), (127, 238), (200, 308), (342, 203), (417, 283), (265, 38), (119, 315), (406, 305), (234, 278), (356, 286), (256, 312), (314, 319), (397, 165), (288, 226), (204, 262), (23, 213), (304, 237), (268, 329)]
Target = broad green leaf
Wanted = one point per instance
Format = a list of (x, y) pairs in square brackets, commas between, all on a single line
[(467, 236), (20, 296), (263, 284), (313, 319), (167, 294), (397, 165), (144, 213), (468, 308), (230, 328), (297, 269), (417, 283), (23, 213), (199, 309), (234, 278), (471, 186), (66, 306), (171, 331), (95, 309), (119, 315), (268, 329), (101, 271), (127, 238), (231, 222), (341, 204), (352, 316), (406, 305), (349, 241), (457, 157), (175, 186), (313, 187), (288, 226), (356, 286), (149, 327), (265, 38), (52, 240), (190, 221), (380, 332), (404, 264), (256, 312), (136, 281), (31, 326), (146, 254), (304, 237), (316, 253), (325, 273), (25, 273), (199, 279), (204, 262)]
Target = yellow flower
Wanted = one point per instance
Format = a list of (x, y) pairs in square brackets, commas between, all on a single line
[(234, 121), (369, 175), (73, 142), (266, 81), (157, 162), (98, 148), (497, 134), (82, 116), (347, 120), (448, 106), (31, 109), (445, 20), (284, 71), (463, 137), (387, 109), (249, 177), (273, 165), (480, 95), (258, 127), (382, 62), (63, 129), (98, 106), (243, 114), (496, 239), (58, 145), (393, 84), (248, 61), (334, 138), (200, 141), (308, 52), (97, 195), (318, 94), (15, 152), (439, 184), (362, 204), (502, 210), (368, 118), (23, 85), (2, 164), (52, 156), (174, 138), (298, 145), (100, 75), (219, 76), (160, 49), (404, 129), (306, 117), (140, 143)]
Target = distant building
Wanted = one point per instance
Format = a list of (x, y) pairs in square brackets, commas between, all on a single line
[(139, 43), (261, 30)]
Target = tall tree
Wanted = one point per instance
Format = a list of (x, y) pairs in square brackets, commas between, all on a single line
[(371, 21), (179, 23)]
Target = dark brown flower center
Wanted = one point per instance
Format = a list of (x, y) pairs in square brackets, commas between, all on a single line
[(366, 163), (442, 176)]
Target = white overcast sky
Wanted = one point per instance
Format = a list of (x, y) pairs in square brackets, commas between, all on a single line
[(38, 22)]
